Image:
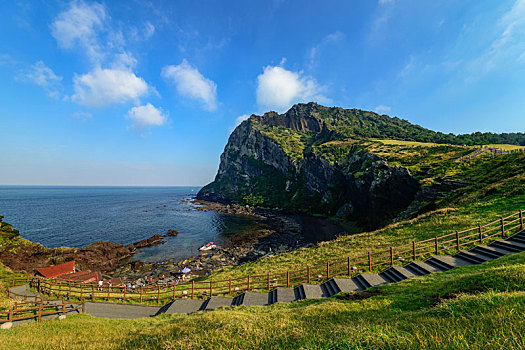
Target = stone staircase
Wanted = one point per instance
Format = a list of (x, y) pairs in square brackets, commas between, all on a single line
[(363, 281)]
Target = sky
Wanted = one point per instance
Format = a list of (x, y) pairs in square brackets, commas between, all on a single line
[(146, 93)]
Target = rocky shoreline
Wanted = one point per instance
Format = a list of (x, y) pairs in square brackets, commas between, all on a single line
[(278, 235)]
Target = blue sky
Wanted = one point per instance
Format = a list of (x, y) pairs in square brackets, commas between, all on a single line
[(147, 93)]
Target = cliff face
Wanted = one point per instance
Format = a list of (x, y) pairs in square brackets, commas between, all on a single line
[(278, 157)]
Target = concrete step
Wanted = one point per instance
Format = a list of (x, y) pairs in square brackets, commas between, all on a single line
[(183, 306), (397, 273), (471, 257), (217, 302), (366, 280), (438, 264), (506, 245), (330, 287), (345, 284), (491, 252), (253, 299), (390, 276), (517, 238), (447, 262), (283, 295), (419, 268), (310, 291)]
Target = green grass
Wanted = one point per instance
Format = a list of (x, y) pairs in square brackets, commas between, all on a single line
[(478, 307)]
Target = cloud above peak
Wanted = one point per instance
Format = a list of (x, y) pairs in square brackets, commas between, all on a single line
[(279, 89), (192, 84), (147, 116), (102, 87), (78, 27), (43, 76)]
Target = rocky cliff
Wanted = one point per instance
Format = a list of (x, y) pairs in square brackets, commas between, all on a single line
[(309, 159)]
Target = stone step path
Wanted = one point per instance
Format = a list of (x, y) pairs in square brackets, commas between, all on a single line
[(333, 286)]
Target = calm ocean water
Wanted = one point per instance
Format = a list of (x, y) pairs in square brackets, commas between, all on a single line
[(78, 216)]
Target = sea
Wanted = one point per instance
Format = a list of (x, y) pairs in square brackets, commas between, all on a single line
[(78, 216), (73, 216)]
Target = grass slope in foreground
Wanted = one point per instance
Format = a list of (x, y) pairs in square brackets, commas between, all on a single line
[(477, 307)]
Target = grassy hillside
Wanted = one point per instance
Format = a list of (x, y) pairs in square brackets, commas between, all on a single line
[(496, 188), (478, 307)]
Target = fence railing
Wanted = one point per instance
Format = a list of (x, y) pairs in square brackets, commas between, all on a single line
[(39, 308), (348, 266)]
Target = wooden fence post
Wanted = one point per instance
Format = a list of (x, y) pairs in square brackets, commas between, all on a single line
[(248, 283), (10, 317), (192, 288), (369, 262), (502, 228), (211, 288), (436, 243), (287, 279), (391, 256), (108, 291), (328, 269), (457, 240), (521, 219), (63, 306), (39, 317), (83, 306), (230, 285), (158, 294), (414, 250), (307, 274), (480, 234), (174, 292), (140, 294), (268, 280), (349, 267)]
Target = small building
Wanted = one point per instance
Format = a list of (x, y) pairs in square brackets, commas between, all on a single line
[(57, 270), (86, 276)]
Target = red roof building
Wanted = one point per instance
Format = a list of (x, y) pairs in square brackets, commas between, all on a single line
[(57, 270), (82, 276)]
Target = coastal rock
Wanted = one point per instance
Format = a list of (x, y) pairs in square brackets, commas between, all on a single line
[(259, 159)]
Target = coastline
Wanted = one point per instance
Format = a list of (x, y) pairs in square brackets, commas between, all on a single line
[(277, 233)]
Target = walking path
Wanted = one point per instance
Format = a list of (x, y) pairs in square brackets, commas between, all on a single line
[(363, 281)]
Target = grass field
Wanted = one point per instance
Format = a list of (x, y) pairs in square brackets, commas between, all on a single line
[(478, 307)]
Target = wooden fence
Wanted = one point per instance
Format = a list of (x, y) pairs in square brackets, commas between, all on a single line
[(40, 307), (349, 266)]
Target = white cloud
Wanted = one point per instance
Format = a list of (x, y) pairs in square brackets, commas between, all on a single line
[(192, 84), (43, 76), (241, 118), (316, 50), (149, 30), (78, 27), (509, 45), (84, 116), (382, 109), (102, 87), (124, 60), (279, 89), (147, 116)]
